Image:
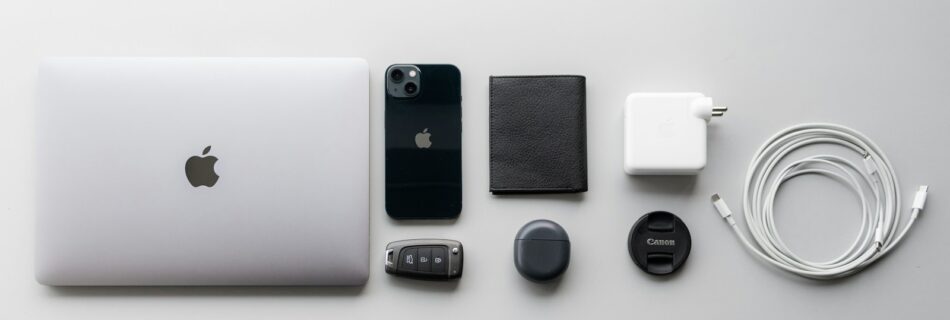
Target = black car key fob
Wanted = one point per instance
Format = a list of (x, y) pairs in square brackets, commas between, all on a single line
[(428, 259)]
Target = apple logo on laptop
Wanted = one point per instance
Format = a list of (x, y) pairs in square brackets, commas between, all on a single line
[(422, 139), (200, 170)]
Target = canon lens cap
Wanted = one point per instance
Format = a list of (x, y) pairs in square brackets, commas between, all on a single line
[(659, 243)]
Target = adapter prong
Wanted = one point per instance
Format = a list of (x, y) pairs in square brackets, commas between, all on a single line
[(719, 111)]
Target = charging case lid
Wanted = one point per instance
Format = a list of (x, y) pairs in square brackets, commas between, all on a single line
[(542, 250), (659, 243)]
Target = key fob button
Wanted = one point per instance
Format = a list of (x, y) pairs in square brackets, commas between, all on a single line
[(425, 259), (409, 259), (438, 260)]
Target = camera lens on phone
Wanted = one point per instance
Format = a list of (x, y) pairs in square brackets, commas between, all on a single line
[(410, 88), (396, 75)]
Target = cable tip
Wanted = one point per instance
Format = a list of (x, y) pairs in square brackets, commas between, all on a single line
[(722, 208), (920, 198)]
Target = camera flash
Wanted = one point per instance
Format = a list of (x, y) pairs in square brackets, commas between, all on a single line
[(412, 74)]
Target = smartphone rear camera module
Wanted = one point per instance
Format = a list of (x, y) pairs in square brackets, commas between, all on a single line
[(403, 81)]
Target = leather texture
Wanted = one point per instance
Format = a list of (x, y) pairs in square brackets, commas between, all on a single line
[(538, 134)]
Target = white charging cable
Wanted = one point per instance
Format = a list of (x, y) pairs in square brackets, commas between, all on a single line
[(880, 208)]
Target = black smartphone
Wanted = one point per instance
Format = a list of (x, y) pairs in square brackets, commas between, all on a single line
[(423, 141)]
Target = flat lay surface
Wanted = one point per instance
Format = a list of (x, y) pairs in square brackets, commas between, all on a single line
[(879, 67)]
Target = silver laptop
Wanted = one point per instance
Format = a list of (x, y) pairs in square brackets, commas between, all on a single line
[(202, 171)]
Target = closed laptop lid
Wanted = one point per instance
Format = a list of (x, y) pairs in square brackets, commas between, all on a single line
[(202, 171)]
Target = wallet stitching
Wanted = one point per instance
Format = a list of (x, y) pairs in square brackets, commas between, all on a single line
[(537, 191), (542, 76), (535, 188), (583, 132), (491, 132)]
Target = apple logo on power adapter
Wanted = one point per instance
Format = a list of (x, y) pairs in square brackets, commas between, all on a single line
[(200, 169), (422, 139)]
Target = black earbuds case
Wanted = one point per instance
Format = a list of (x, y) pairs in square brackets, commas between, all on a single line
[(542, 250)]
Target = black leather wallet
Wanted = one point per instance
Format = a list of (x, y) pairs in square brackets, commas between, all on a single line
[(538, 134)]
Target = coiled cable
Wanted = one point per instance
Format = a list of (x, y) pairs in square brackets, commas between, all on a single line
[(875, 184)]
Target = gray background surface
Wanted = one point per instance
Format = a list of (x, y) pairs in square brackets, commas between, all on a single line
[(878, 66)]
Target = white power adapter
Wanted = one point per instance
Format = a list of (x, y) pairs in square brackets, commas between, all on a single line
[(665, 133)]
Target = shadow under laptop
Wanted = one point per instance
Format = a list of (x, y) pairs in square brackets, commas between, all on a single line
[(202, 291)]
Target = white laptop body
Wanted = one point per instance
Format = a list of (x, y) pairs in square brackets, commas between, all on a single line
[(126, 194)]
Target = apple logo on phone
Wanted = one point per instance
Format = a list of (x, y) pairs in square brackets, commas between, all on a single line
[(200, 170), (422, 139)]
